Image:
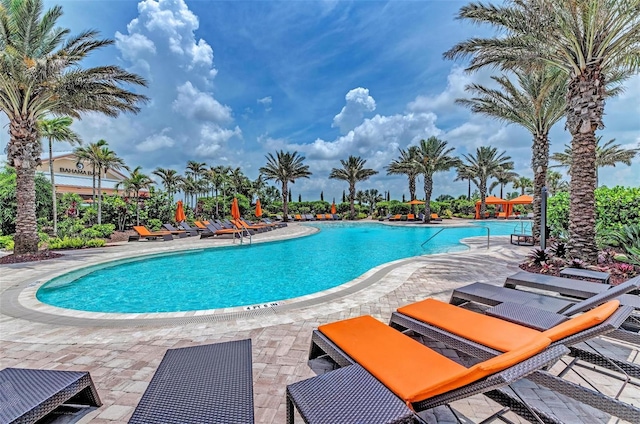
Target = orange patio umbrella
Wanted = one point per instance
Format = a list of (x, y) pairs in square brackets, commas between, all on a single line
[(258, 208), (235, 210), (180, 216), (416, 202), (333, 208)]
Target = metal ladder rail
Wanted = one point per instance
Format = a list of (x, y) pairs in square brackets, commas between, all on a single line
[(244, 227), (449, 228)]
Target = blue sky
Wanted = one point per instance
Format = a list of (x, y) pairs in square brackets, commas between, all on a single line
[(230, 81)]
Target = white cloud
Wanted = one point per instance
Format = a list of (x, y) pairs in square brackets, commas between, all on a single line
[(358, 102), (196, 104), (156, 142), (213, 139), (266, 102)]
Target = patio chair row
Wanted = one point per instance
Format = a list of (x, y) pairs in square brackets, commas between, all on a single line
[(317, 217)]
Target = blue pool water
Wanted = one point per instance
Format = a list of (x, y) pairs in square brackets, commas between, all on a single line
[(251, 274)]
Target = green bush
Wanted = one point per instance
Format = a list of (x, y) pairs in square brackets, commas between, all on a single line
[(154, 224), (6, 242), (97, 242), (90, 233), (558, 213), (70, 227), (67, 243), (361, 215), (104, 230)]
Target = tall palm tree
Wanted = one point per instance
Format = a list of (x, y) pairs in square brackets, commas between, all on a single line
[(352, 171), (503, 176), (91, 154), (107, 159), (537, 103), (555, 183), (594, 42), (40, 74), (482, 166), (608, 154), (433, 156), (285, 167), (197, 171), (135, 182), (406, 164), (523, 183), (170, 180), (371, 198), (463, 173), (56, 129), (219, 177)]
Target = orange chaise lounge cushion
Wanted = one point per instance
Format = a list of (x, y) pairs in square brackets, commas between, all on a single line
[(143, 231), (409, 369), (497, 333)]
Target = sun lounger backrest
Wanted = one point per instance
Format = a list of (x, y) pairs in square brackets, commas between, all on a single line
[(597, 299), (581, 322), (409, 369), (142, 230)]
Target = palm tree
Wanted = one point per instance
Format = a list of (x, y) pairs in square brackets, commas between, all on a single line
[(196, 170), (107, 159), (135, 182), (90, 154), (372, 197), (56, 129), (463, 173), (523, 183), (536, 103), (352, 171), (285, 167), (608, 154), (503, 177), (555, 183), (170, 180), (482, 166), (360, 197), (595, 43), (41, 74), (219, 177), (406, 164), (433, 156)]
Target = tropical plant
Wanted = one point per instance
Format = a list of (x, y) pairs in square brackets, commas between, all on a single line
[(352, 171), (406, 164), (371, 198), (433, 155), (285, 167), (132, 184), (463, 173), (608, 154), (40, 74), (627, 238), (106, 159), (555, 183), (595, 43), (56, 129), (9, 204), (170, 180), (90, 153), (523, 183), (482, 166), (503, 176)]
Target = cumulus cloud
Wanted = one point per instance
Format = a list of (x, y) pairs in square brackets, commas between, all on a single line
[(358, 103), (213, 138), (196, 104), (156, 142)]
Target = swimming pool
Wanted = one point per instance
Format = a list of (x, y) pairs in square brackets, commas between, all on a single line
[(251, 274)]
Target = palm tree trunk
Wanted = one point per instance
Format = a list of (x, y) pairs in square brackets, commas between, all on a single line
[(23, 152), (428, 189), (285, 201), (54, 201), (93, 186), (412, 193), (352, 199), (539, 164), (585, 107), (100, 195), (137, 208), (483, 198), (469, 190)]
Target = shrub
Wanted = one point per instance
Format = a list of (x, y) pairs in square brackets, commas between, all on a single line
[(538, 256), (104, 230), (90, 233), (6, 242), (627, 238), (70, 227), (559, 249), (97, 242), (361, 215), (67, 243), (154, 224)]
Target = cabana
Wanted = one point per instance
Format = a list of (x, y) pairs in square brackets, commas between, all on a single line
[(525, 199), (493, 200)]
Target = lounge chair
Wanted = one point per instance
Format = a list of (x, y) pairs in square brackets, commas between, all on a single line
[(336, 217), (328, 217), (202, 384), (274, 224), (502, 215), (242, 225), (299, 218), (27, 395), (489, 336), (309, 217), (290, 218), (320, 217), (435, 217), (214, 229), (279, 218), (185, 225), (396, 217), (174, 230), (200, 225), (419, 376), (143, 232), (411, 217)]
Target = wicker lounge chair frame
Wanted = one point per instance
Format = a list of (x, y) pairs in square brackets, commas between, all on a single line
[(321, 345), (202, 384), (174, 230), (187, 227), (150, 235), (582, 394), (30, 394), (214, 229), (560, 285)]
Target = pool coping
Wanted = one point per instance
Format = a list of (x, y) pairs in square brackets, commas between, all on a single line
[(19, 301)]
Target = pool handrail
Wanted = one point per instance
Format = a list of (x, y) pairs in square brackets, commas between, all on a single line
[(449, 228)]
